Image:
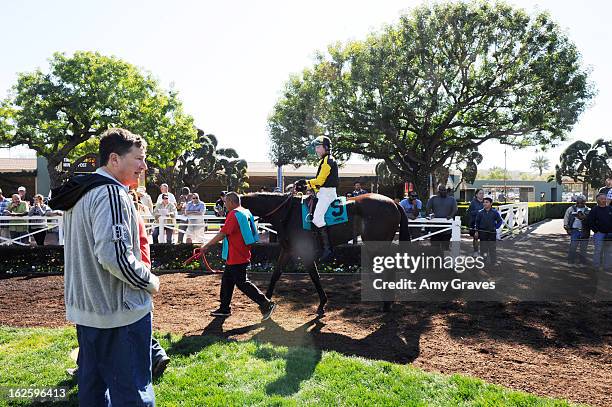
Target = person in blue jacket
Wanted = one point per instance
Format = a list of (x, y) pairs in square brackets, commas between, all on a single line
[(488, 220)]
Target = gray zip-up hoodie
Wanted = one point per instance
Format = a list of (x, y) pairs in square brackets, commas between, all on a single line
[(106, 284)]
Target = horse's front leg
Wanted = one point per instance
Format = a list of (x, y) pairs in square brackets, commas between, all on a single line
[(314, 276), (283, 257)]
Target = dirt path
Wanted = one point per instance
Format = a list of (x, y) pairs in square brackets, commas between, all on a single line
[(550, 349)]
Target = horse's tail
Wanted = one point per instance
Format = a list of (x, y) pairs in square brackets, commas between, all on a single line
[(404, 230)]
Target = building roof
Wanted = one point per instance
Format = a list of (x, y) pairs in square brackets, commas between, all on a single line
[(267, 169), (17, 164)]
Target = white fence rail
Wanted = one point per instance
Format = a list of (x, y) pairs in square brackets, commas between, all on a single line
[(32, 224), (435, 226), (196, 228), (515, 217)]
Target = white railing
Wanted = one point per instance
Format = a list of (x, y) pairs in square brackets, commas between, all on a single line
[(198, 228), (515, 217), (32, 224), (440, 225), (193, 227)]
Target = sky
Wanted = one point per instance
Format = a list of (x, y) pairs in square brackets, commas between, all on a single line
[(229, 60)]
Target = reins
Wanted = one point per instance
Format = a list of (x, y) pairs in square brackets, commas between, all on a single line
[(273, 211)]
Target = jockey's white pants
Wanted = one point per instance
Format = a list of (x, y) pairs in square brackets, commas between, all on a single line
[(325, 196)]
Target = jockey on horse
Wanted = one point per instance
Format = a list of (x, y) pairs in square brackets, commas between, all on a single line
[(324, 186)]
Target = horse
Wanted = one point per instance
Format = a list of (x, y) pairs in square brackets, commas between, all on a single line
[(371, 216)]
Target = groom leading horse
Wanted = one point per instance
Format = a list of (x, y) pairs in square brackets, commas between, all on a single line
[(374, 217)]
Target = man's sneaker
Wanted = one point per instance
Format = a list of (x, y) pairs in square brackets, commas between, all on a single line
[(267, 310), (160, 366), (221, 313)]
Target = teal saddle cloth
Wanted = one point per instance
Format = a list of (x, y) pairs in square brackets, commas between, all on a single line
[(336, 213)]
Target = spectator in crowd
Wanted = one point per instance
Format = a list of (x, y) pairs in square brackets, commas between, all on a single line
[(220, 209), (167, 211), (22, 194), (108, 284), (444, 206), (488, 220), (475, 206), (183, 199), (142, 210), (575, 226), (195, 210), (17, 207), (238, 233), (4, 230), (600, 222), (145, 198), (164, 190), (607, 189), (358, 190), (39, 209), (412, 205)]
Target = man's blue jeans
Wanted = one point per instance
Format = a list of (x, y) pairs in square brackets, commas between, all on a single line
[(575, 242), (115, 365), (603, 250)]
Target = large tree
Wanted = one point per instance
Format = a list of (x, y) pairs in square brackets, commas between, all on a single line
[(82, 95), (444, 80), (589, 164)]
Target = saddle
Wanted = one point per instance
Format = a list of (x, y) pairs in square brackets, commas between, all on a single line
[(335, 214)]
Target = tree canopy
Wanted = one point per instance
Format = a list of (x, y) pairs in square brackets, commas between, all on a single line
[(589, 164), (204, 162), (80, 97), (437, 85)]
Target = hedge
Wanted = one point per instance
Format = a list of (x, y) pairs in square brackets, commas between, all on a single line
[(165, 257), (538, 211)]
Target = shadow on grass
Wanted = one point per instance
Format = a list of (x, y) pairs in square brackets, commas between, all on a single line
[(307, 342)]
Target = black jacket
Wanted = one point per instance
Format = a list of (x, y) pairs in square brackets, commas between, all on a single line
[(67, 195), (600, 219), (327, 174)]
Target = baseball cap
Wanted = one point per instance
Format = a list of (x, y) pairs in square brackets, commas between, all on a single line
[(21, 188)]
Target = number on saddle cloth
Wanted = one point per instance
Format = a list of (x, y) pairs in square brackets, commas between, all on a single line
[(336, 213)]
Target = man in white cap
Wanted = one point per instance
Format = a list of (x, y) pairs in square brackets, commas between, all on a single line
[(22, 193)]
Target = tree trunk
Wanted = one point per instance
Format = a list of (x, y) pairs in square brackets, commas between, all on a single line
[(56, 177), (421, 184)]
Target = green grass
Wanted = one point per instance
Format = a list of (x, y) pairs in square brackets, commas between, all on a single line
[(207, 371)]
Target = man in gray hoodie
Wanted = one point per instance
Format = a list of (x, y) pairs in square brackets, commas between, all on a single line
[(108, 287)]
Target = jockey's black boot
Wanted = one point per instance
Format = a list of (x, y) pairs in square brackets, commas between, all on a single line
[(327, 250)]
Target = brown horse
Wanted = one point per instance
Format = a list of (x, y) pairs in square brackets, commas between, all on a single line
[(374, 217)]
